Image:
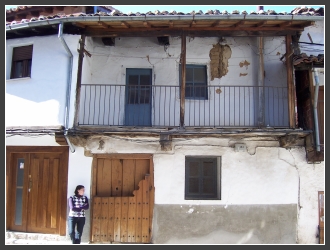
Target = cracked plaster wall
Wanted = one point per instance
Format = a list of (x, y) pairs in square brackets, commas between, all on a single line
[(268, 179)]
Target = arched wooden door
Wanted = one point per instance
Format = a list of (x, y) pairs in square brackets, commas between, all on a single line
[(122, 198)]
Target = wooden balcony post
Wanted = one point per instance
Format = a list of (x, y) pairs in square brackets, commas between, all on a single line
[(183, 79), (261, 83), (289, 68), (79, 72)]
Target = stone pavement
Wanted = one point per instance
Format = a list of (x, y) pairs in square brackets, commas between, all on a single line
[(36, 239)]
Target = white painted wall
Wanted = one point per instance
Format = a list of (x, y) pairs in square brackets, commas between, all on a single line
[(109, 64), (265, 174), (316, 32), (40, 100)]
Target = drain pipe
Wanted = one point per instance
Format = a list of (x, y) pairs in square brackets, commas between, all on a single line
[(68, 91), (316, 119)]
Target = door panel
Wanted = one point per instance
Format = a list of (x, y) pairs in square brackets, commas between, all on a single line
[(138, 97), (43, 194), (19, 191), (321, 216), (320, 114), (38, 182), (123, 211)]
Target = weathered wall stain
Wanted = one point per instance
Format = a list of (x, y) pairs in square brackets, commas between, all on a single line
[(244, 63), (219, 56), (218, 91), (242, 74)]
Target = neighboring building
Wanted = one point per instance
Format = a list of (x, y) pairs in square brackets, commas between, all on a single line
[(184, 128)]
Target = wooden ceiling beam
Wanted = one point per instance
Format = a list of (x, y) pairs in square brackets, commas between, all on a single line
[(79, 25), (192, 24), (190, 32), (260, 24), (165, 29), (146, 24), (216, 23), (239, 23), (124, 24), (103, 24)]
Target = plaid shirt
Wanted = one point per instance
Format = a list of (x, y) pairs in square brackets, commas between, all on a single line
[(75, 203)]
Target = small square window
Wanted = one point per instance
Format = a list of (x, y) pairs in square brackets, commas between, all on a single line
[(196, 82), (202, 178), (22, 62)]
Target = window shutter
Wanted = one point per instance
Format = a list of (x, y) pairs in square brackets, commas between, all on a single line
[(22, 53)]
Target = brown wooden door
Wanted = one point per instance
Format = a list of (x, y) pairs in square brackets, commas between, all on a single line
[(321, 216), (36, 192), (122, 198), (320, 114)]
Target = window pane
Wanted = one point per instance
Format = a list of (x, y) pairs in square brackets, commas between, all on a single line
[(29, 64), (19, 191), (144, 95), (193, 185), (145, 80), (193, 169), (189, 90), (189, 74), (133, 80), (200, 91), (200, 74), (208, 169), (18, 69), (132, 95), (208, 187)]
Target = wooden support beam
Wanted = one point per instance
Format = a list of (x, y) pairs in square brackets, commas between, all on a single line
[(146, 32), (103, 24), (291, 91), (183, 79), (125, 24), (79, 77), (146, 24), (284, 24), (258, 25), (193, 23), (79, 25), (239, 23), (216, 23)]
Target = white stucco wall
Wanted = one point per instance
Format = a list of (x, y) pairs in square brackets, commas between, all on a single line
[(263, 175), (40, 100), (109, 64), (317, 34)]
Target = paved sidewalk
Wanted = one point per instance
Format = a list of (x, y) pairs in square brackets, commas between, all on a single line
[(20, 238)]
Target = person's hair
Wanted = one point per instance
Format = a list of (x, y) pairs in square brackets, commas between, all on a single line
[(78, 188)]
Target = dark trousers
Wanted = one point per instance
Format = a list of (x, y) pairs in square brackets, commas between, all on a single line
[(74, 222)]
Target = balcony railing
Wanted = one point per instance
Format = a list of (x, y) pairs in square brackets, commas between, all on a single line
[(159, 106)]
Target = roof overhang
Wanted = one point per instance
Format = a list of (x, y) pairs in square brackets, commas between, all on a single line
[(167, 25)]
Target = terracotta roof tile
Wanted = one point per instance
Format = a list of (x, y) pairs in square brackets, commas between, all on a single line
[(304, 58), (113, 12)]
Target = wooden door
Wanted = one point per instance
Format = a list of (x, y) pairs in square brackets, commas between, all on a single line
[(321, 216), (122, 198), (37, 192), (320, 114)]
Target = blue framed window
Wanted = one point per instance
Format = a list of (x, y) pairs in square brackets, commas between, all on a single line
[(196, 82)]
